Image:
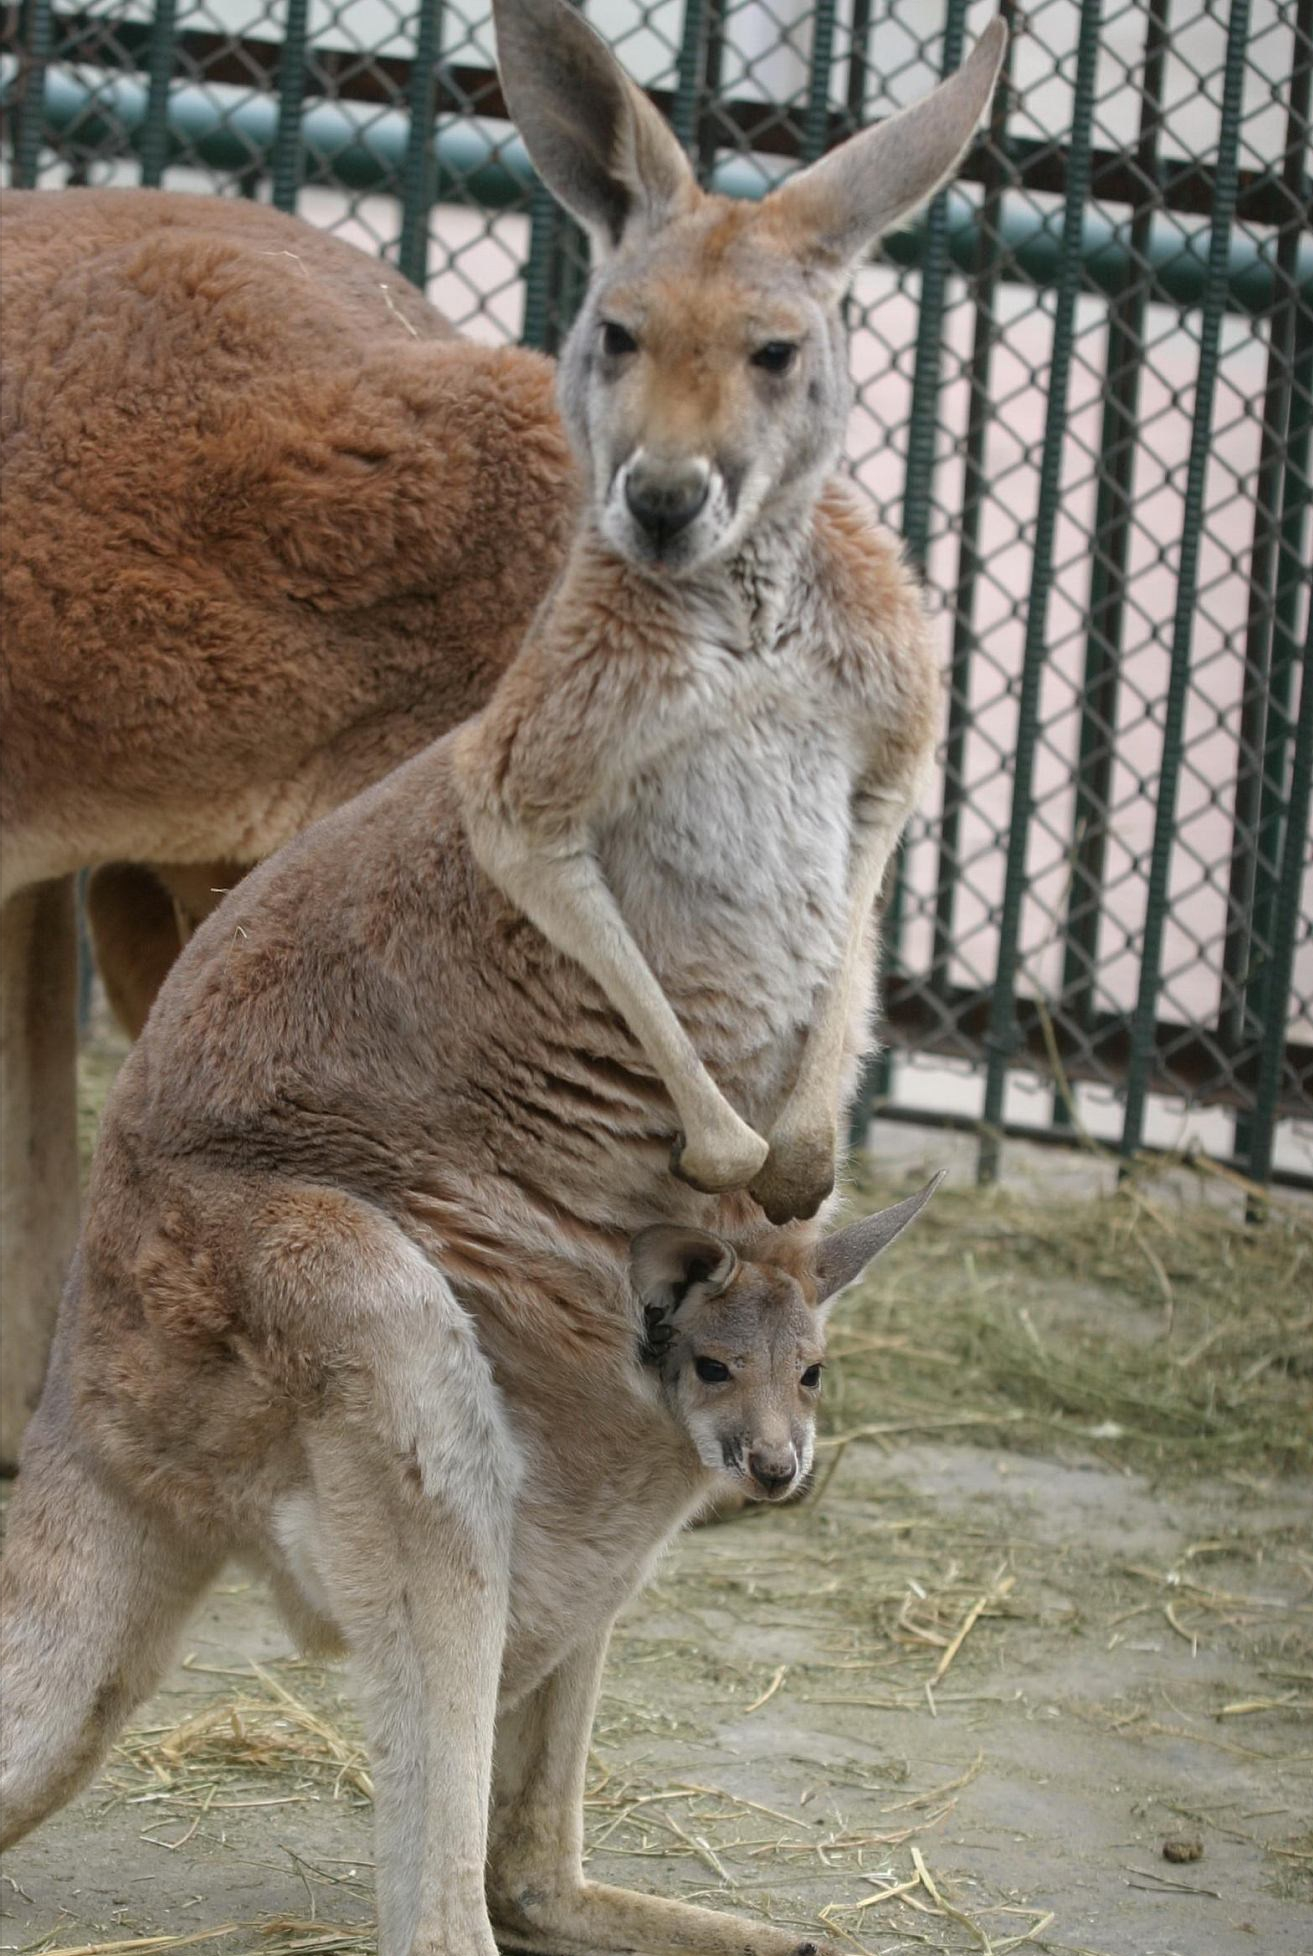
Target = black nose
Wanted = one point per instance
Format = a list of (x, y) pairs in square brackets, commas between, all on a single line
[(773, 1473), (664, 503)]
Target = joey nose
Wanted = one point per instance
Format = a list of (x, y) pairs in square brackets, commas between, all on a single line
[(773, 1469), (664, 501)]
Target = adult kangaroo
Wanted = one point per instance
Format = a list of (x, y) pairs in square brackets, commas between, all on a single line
[(367, 1260), (270, 527)]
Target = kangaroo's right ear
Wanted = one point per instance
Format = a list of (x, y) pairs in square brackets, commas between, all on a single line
[(666, 1264), (595, 139)]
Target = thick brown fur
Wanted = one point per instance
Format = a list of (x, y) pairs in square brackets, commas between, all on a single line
[(269, 527)]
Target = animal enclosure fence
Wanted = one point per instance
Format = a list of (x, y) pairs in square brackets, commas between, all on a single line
[(1084, 395)]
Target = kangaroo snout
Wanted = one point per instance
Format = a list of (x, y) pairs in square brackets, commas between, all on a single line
[(774, 1469), (663, 497)]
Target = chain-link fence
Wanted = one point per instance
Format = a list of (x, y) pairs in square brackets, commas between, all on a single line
[(1084, 396)]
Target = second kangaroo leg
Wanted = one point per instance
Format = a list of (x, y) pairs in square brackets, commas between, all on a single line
[(93, 1593), (537, 1892), (38, 1139), (408, 1532)]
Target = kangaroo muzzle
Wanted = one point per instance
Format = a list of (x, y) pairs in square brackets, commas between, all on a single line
[(663, 498)]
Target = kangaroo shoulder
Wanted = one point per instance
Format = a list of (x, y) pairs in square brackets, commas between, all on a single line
[(871, 588), (874, 620)]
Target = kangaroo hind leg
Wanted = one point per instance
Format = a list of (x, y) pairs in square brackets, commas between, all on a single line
[(93, 1594), (402, 1536)]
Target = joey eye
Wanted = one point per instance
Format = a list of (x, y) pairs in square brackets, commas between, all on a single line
[(776, 357), (811, 1378), (711, 1371), (617, 339)]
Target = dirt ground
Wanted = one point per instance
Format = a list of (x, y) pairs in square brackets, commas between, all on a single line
[(1035, 1633)]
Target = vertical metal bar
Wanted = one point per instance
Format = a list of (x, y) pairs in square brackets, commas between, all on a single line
[(419, 170), (285, 167), (1267, 528), (816, 119), (159, 69), (1245, 949), (713, 56), (1294, 857), (1111, 542), (859, 62), (544, 229), (1001, 1037), (974, 496), (688, 72), (918, 479), (1144, 1020), (1291, 583), (919, 474), (32, 99)]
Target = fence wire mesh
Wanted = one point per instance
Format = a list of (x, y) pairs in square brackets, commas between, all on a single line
[(1084, 394)]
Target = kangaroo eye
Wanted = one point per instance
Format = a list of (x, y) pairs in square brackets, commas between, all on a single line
[(711, 1371), (776, 357), (811, 1378), (617, 339)]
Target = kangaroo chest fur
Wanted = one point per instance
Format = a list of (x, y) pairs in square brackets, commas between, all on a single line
[(729, 856)]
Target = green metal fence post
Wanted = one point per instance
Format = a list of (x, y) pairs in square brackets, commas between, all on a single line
[(155, 126), (975, 494), (687, 104), (816, 116), (1001, 1038), (1291, 586), (419, 172), (918, 480), (1144, 1021), (32, 92), (1113, 519), (1265, 706), (285, 170), (1294, 859)]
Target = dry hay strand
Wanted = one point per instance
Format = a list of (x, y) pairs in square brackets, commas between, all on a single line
[(268, 1733)]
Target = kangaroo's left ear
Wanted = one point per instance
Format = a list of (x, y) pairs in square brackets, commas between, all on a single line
[(831, 213), (843, 1256)]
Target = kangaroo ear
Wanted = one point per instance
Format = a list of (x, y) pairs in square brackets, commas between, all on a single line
[(843, 1256), (595, 139), (667, 1263), (835, 210)]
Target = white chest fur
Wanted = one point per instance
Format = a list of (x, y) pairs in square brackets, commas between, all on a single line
[(729, 854)]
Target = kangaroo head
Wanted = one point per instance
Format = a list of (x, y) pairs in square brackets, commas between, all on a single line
[(705, 381), (739, 1347)]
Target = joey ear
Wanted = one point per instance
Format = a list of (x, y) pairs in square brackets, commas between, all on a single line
[(833, 211), (666, 1262), (842, 1256), (595, 139)]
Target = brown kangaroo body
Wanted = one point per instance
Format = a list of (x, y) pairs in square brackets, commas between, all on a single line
[(269, 529), (385, 1281)]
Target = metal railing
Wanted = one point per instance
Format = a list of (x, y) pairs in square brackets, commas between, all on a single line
[(1084, 396)]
